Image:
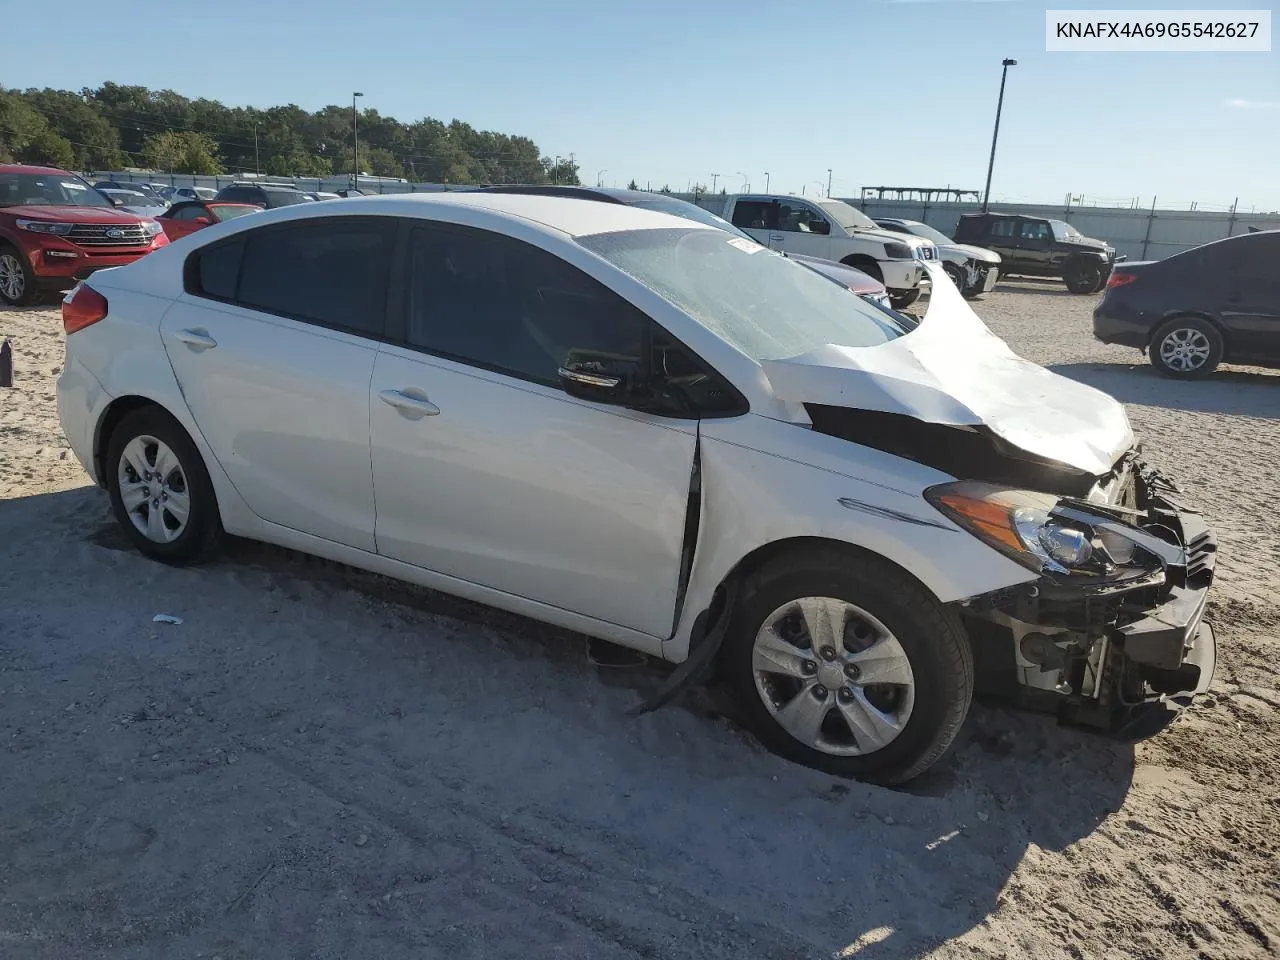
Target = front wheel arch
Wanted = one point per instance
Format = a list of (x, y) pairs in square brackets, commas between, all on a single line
[(868, 265)]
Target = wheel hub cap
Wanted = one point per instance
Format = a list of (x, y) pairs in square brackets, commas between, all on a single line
[(833, 676), (153, 489), (1184, 349), (12, 280)]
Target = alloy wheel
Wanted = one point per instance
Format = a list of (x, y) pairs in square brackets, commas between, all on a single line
[(153, 489), (1184, 349), (13, 280), (833, 676)]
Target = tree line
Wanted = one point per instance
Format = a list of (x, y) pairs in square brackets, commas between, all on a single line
[(117, 126)]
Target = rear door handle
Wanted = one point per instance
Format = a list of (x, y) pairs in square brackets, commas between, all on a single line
[(197, 339), (411, 402), (776, 236)]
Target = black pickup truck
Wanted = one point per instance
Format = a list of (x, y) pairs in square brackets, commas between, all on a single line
[(1038, 247)]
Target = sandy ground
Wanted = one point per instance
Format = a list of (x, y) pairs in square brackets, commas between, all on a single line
[(319, 763)]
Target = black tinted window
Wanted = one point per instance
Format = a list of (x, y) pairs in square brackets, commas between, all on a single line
[(1256, 256), (283, 198), (216, 269), (240, 195), (504, 305), (1002, 228), (753, 214), (331, 271)]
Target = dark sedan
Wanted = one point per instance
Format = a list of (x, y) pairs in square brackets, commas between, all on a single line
[(1196, 309), (863, 285)]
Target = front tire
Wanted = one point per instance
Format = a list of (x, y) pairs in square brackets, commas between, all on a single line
[(1187, 348), (160, 491), (902, 299), (958, 277), (844, 663), (1083, 276), (18, 287)]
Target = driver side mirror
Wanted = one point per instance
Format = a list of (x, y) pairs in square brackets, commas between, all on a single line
[(602, 378), (116, 201), (820, 226)]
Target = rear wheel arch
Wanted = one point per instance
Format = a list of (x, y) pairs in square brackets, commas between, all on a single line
[(116, 411)]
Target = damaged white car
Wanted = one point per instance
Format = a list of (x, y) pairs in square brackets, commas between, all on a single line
[(644, 429)]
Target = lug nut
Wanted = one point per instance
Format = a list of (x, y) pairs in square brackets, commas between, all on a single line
[(844, 695), (820, 691), (809, 667), (828, 653), (852, 671)]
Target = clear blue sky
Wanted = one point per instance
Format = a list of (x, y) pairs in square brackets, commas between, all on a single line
[(882, 91)]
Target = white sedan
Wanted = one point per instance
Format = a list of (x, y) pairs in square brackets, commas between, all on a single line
[(642, 428)]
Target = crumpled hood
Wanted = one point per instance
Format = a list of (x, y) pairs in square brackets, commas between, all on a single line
[(981, 254), (953, 370)]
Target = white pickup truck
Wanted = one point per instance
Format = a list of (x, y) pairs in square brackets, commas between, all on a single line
[(832, 230)]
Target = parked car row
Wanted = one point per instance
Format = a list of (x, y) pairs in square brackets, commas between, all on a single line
[(647, 428)]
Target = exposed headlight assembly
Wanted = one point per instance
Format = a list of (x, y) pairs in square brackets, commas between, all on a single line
[(1018, 523)]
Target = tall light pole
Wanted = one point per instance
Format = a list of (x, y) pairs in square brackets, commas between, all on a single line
[(1004, 72), (766, 181), (743, 188), (555, 171), (257, 163), (355, 144), (714, 178), (600, 177), (828, 183)]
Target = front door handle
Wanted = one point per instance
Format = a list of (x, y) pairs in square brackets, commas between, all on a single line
[(411, 402), (197, 339)]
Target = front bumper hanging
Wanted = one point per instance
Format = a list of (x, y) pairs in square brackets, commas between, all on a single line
[(1099, 649)]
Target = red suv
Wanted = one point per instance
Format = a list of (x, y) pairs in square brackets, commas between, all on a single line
[(55, 229)]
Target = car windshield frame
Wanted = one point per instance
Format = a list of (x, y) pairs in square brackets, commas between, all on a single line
[(64, 181), (1064, 231), (845, 216), (763, 304)]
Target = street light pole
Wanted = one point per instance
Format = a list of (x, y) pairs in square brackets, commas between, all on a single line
[(355, 144), (828, 183), (995, 134), (766, 181), (257, 163), (600, 177), (714, 178)]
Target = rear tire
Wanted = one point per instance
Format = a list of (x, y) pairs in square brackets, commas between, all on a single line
[(18, 287), (1083, 276), (1187, 348), (160, 490), (787, 680)]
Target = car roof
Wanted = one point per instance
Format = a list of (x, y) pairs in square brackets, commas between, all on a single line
[(28, 168), (560, 214)]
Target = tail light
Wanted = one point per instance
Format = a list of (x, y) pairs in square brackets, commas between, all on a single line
[(1118, 279), (81, 307)]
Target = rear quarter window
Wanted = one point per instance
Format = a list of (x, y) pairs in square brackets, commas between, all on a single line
[(215, 270)]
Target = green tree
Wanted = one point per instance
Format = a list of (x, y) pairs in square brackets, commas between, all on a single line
[(47, 149), (19, 124), (184, 152), (633, 185)]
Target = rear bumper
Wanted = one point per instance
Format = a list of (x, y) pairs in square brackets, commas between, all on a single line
[(1114, 323)]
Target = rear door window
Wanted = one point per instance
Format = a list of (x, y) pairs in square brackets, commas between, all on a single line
[(1003, 228), (331, 271), (213, 271)]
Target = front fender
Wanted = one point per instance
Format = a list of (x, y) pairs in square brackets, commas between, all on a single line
[(764, 481)]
